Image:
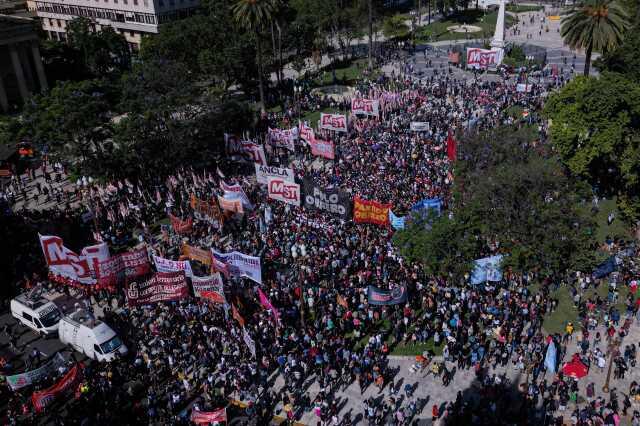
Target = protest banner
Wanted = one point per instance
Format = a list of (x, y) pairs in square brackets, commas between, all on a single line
[(487, 269), (249, 342), (66, 384), (254, 152), (240, 264), (454, 57), (283, 138), (328, 200), (397, 222), (422, 207), (181, 226), (209, 417), (230, 188), (196, 253), (231, 204), (365, 107), (322, 148), (212, 282), (65, 264), (161, 287), (27, 378), (522, 87), (419, 126), (306, 132), (335, 122), (209, 210), (263, 173), (123, 267), (483, 58), (281, 190), (266, 304), (167, 265), (245, 150), (365, 211), (377, 296)]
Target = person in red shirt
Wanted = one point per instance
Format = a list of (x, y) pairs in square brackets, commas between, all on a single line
[(434, 413)]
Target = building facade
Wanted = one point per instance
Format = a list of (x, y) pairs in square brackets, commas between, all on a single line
[(131, 18), (21, 70)]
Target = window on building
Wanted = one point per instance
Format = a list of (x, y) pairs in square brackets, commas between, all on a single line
[(59, 23), (132, 33), (125, 1), (146, 3), (135, 2)]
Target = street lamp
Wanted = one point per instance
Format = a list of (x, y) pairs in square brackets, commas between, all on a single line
[(297, 91)]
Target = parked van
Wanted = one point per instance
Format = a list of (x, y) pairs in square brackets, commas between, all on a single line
[(90, 336), (37, 313)]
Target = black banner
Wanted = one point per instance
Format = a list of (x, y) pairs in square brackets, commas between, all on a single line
[(332, 201)]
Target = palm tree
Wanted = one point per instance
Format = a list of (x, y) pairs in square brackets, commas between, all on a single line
[(594, 25), (254, 15)]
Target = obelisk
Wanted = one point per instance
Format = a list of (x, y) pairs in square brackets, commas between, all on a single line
[(498, 37)]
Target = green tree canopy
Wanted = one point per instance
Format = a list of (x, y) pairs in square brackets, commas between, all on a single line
[(596, 130), (511, 197)]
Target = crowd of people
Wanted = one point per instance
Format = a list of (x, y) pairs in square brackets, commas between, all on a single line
[(191, 355)]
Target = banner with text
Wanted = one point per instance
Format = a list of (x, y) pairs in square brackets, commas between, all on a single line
[(365, 106), (281, 190), (66, 384), (208, 209), (329, 200), (123, 267), (196, 253), (283, 138), (231, 204), (419, 126), (335, 122), (378, 296), (27, 378), (161, 287), (263, 173), (212, 282), (181, 226), (65, 263), (167, 265), (322, 148), (365, 211), (240, 264), (483, 58)]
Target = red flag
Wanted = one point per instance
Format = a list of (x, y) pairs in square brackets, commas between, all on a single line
[(208, 417), (451, 146)]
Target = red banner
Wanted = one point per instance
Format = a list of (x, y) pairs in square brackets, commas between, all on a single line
[(181, 226), (322, 148), (45, 397), (119, 269), (207, 417), (365, 211), (162, 287)]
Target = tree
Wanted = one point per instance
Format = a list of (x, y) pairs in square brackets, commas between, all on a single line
[(103, 52), (73, 120), (395, 27), (254, 15), (594, 25), (510, 196), (624, 59), (596, 131), (370, 4)]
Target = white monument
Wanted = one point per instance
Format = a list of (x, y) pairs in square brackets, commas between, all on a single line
[(498, 37)]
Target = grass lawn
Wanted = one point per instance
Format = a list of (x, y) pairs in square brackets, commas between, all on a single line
[(520, 8), (437, 31), (346, 74), (412, 350), (618, 229)]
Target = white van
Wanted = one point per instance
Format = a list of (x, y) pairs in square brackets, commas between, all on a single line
[(37, 313), (92, 337)]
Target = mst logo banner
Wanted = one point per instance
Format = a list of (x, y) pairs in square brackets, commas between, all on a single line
[(321, 148), (123, 267), (365, 211), (263, 173), (281, 190), (483, 58), (329, 200), (365, 106), (162, 287), (66, 263), (335, 122)]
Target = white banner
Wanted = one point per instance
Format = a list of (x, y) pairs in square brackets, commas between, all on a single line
[(365, 106), (284, 138), (282, 190), (66, 263), (208, 283), (522, 87), (240, 264), (483, 58), (335, 122), (419, 126), (306, 132), (255, 151), (249, 342), (166, 265), (263, 173)]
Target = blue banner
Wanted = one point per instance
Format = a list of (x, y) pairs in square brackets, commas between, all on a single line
[(487, 269), (397, 222), (377, 296), (605, 268), (550, 358), (422, 207)]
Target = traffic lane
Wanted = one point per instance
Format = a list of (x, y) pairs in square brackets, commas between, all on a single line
[(27, 341)]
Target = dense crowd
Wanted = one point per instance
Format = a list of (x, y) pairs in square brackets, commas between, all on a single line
[(316, 267)]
